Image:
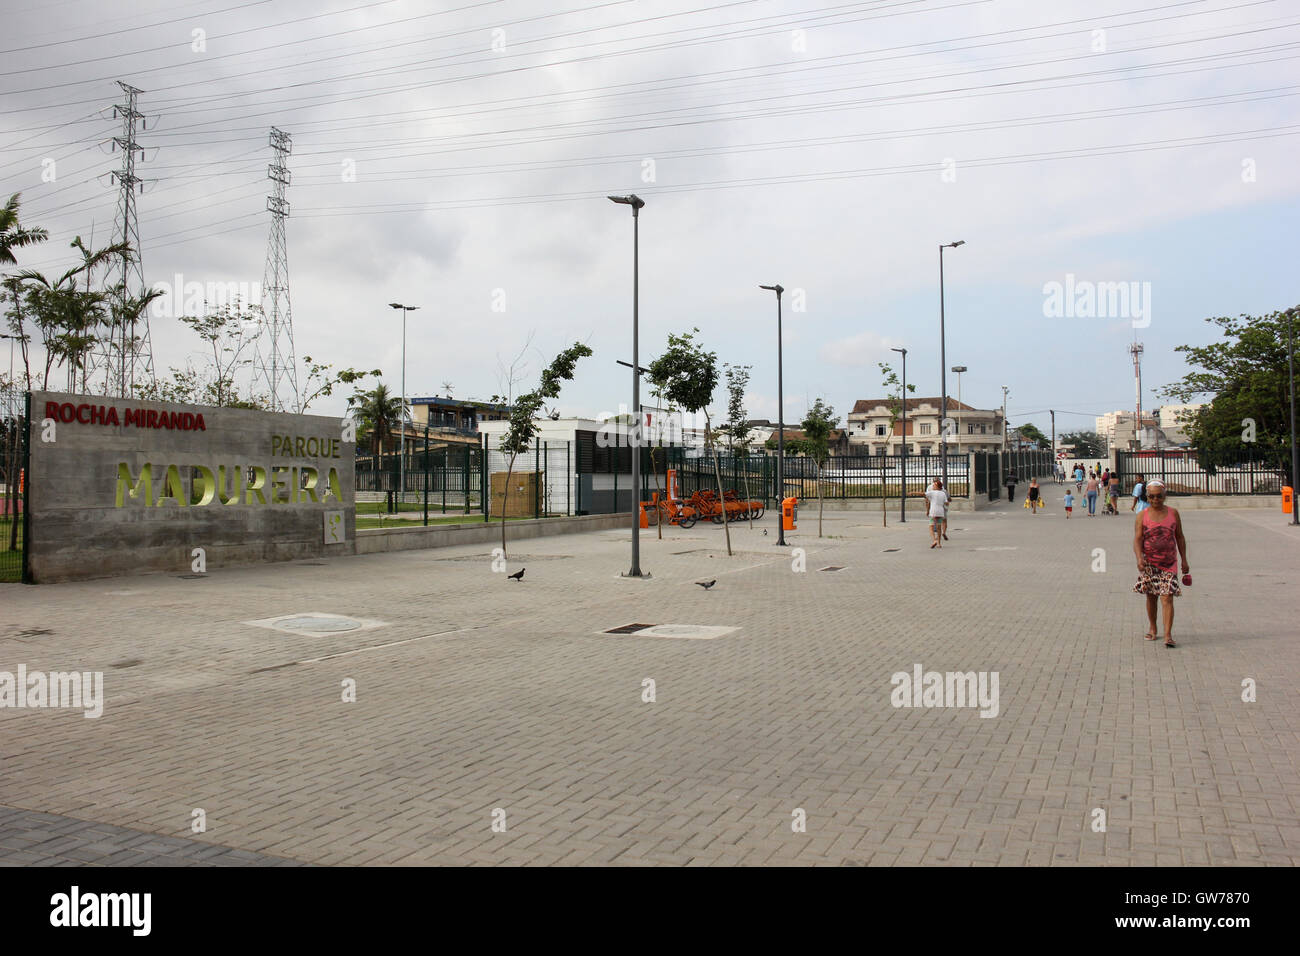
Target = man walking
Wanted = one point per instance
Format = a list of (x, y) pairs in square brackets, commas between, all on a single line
[(938, 501), (1012, 480)]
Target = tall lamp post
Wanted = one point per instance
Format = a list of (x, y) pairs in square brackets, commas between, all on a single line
[(780, 423), (902, 506), (1295, 452), (959, 369), (402, 438), (636, 202), (943, 363)]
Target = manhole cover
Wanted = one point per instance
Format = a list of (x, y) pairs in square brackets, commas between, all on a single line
[(310, 623), (628, 628)]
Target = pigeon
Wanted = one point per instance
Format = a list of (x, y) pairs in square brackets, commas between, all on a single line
[(518, 575), (707, 584)]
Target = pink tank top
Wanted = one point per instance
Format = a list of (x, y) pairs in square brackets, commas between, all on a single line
[(1159, 543)]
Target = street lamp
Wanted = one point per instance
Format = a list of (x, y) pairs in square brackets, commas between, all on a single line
[(402, 439), (636, 202), (943, 364), (780, 423), (1295, 452), (902, 507), (959, 369)]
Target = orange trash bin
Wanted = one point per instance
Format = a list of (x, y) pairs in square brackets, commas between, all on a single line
[(1288, 499), (789, 513)]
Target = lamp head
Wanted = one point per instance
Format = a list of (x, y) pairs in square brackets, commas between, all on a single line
[(959, 368), (778, 289), (635, 201), (903, 351)]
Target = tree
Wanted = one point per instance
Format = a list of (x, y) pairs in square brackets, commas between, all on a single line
[(320, 381), (1248, 380), (737, 428), (1086, 444), (894, 398), (1032, 432), (377, 412), (522, 429), (12, 235), (691, 375), (817, 425)]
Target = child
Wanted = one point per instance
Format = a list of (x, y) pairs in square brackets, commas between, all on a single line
[(1069, 503)]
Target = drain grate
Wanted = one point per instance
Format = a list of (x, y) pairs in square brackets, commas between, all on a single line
[(307, 622), (628, 628), (191, 577), (833, 567), (887, 550)]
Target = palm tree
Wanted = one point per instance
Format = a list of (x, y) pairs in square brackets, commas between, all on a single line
[(12, 235), (378, 413)]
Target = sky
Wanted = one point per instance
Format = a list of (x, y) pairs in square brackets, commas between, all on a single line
[(456, 155)]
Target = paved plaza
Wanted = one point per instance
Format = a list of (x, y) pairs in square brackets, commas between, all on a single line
[(481, 700)]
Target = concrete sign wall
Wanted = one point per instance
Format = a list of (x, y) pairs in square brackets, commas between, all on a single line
[(120, 486)]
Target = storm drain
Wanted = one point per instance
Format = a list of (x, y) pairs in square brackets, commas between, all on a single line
[(887, 550), (833, 567), (693, 632)]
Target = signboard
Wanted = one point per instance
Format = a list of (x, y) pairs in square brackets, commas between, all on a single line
[(120, 486)]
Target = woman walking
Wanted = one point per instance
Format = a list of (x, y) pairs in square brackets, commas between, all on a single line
[(1092, 496), (1034, 501), (937, 500), (1157, 542)]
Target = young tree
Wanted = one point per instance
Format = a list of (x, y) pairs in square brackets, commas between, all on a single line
[(691, 375), (817, 425), (737, 428), (523, 414), (894, 398), (320, 380)]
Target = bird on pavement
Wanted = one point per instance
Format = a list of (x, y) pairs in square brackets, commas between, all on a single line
[(518, 575), (707, 584)]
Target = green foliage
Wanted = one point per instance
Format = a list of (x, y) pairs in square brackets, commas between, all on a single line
[(893, 393), (378, 412), (1248, 378), (817, 426), (321, 380), (737, 427), (1086, 444), (519, 434), (1034, 434), (689, 373), (14, 236)]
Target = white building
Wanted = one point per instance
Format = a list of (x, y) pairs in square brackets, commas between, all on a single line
[(975, 429)]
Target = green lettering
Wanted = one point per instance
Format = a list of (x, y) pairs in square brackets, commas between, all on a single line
[(310, 476), (228, 481), (256, 482), (125, 484), (173, 489)]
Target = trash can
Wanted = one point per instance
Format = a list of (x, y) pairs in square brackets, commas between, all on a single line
[(1288, 499), (789, 513)]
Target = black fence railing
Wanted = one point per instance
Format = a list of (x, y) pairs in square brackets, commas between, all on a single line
[(1183, 474)]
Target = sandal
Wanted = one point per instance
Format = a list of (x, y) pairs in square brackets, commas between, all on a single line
[(1150, 635), (1169, 642)]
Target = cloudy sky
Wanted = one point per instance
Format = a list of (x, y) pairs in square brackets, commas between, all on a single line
[(456, 155)]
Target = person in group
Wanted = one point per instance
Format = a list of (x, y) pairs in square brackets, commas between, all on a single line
[(1060, 473), (947, 500), (1139, 494), (1078, 478), (1012, 481), (1157, 542), (938, 504), (1113, 493), (1069, 503), (1033, 496), (1091, 493)]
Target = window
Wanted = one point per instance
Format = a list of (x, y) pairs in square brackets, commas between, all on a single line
[(880, 431), (970, 429), (927, 428), (880, 450)]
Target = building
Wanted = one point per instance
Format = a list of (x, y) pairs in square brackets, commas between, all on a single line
[(452, 420), (974, 429), (1159, 428)]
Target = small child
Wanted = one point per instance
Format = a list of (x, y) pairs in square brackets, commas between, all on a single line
[(1069, 504)]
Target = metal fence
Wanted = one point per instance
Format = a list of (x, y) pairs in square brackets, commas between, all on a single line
[(443, 478), (1183, 474)]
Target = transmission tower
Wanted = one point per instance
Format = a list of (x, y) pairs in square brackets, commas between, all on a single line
[(127, 356), (1136, 351), (275, 366)]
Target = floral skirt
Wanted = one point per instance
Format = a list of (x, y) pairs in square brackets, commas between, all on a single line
[(1155, 581)]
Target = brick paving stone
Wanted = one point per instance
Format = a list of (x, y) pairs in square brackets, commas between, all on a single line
[(508, 696)]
